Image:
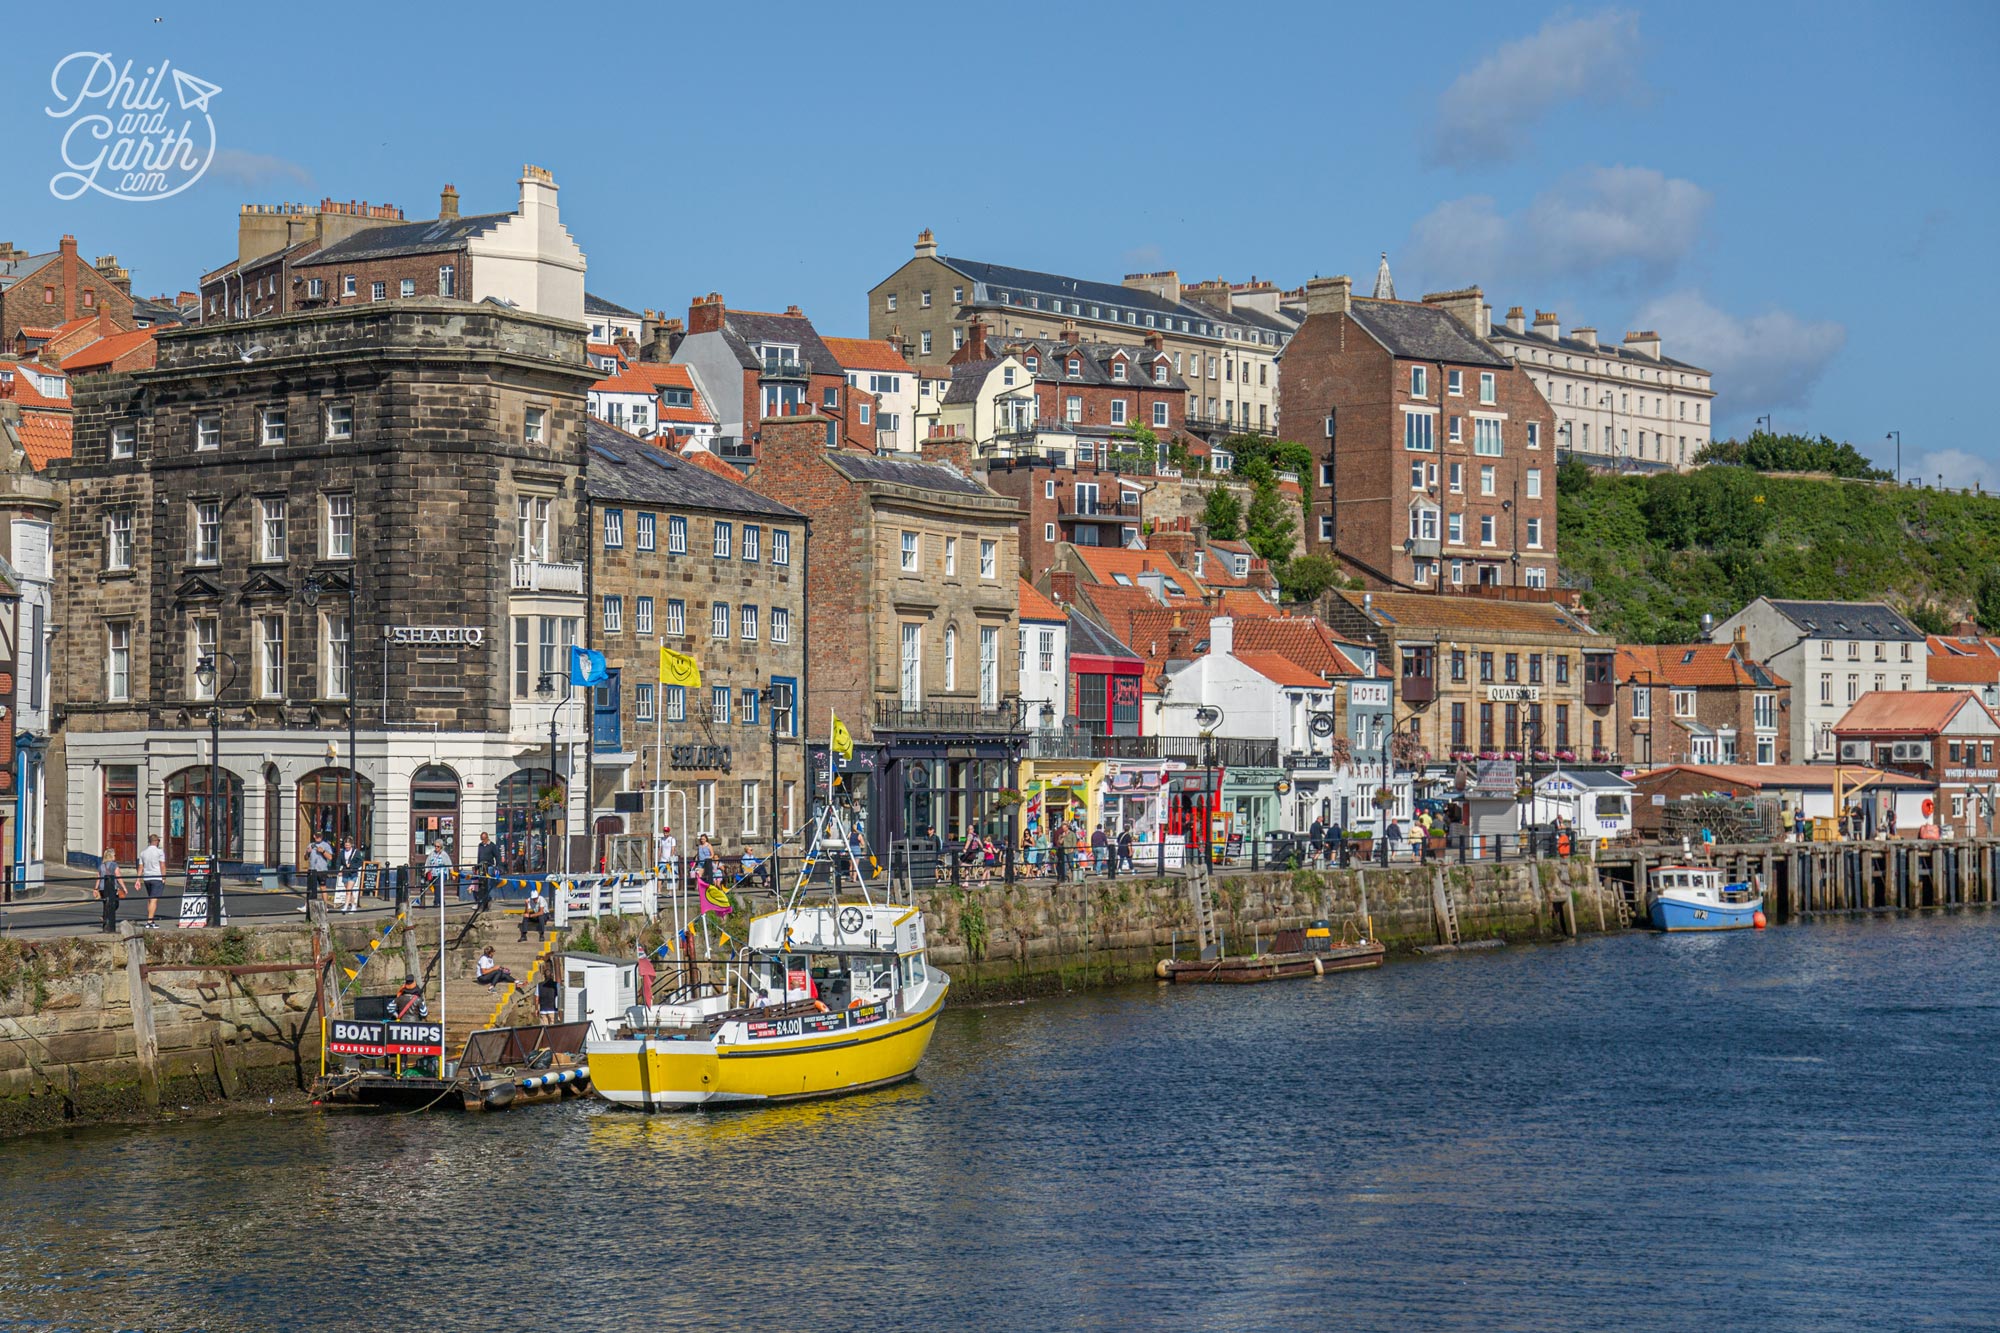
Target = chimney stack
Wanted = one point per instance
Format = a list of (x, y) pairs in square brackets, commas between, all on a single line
[(1517, 320), (111, 271), (926, 244), (706, 313), (1329, 296), (1548, 325), (975, 342), (1463, 305), (1062, 586), (448, 204), (1222, 635), (1646, 343), (1586, 335)]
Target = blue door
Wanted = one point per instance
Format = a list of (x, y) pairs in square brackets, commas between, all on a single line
[(606, 732)]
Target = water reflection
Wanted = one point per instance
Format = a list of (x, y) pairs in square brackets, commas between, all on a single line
[(1484, 1141)]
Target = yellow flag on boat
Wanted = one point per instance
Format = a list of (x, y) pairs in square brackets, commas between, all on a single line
[(842, 744), (679, 668)]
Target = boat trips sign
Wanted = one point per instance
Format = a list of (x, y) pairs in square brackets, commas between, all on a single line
[(351, 1037)]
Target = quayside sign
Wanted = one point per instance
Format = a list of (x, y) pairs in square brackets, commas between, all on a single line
[(354, 1037)]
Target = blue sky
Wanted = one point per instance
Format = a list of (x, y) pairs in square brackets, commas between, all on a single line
[(1793, 195)]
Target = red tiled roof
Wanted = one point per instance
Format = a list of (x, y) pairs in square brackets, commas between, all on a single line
[(41, 331), (1925, 711), (1956, 661), (106, 351), (45, 436), (1034, 606), (1281, 670), (1299, 639), (867, 354), (1106, 563), (1690, 665), (1245, 604), (721, 467), (647, 378), (23, 390)]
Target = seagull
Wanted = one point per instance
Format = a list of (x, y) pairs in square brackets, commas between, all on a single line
[(248, 354)]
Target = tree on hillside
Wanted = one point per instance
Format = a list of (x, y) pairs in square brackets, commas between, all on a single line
[(1929, 617), (1137, 454), (1986, 601), (1768, 452), (1269, 526), (1223, 514), (1572, 477), (1304, 577), (1711, 509)]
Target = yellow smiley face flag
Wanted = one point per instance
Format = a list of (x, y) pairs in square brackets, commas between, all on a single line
[(679, 669), (842, 743)]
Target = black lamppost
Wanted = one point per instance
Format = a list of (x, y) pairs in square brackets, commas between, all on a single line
[(205, 675), (1897, 436), (311, 590), (545, 689)]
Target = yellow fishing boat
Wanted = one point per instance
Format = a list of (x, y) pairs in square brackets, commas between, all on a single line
[(825, 999)]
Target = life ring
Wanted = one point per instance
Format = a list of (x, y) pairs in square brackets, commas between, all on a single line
[(819, 1006)]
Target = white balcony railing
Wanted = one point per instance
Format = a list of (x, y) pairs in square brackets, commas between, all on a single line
[(548, 576)]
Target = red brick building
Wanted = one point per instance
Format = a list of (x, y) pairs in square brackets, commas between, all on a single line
[(1089, 505), (1701, 703), (41, 293), (1437, 454), (1947, 737), (1088, 395), (752, 364)]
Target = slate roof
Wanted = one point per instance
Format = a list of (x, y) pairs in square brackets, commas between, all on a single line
[(1847, 620), (1091, 639), (1424, 333), (1093, 366), (1694, 666), (1907, 711), (622, 467), (406, 238), (967, 378), (905, 472), (13, 270), (1576, 347), (742, 329), (594, 304), (991, 280)]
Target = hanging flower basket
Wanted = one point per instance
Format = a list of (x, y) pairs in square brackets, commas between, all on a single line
[(1007, 797), (1384, 798)]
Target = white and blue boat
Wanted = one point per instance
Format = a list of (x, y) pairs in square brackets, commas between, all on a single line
[(1696, 898)]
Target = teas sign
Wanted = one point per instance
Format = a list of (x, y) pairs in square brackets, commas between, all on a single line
[(352, 1037), (125, 137)]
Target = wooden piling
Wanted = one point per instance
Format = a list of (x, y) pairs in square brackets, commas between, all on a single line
[(145, 1037)]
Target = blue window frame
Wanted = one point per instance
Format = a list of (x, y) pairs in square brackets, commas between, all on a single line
[(786, 694), (747, 707), (614, 529), (606, 730)]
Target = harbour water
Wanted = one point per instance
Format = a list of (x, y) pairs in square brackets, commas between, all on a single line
[(1791, 1129)]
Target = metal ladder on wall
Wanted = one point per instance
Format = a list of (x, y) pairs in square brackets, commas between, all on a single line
[(1446, 910)]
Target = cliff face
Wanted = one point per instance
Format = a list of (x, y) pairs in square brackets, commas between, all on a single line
[(1655, 553)]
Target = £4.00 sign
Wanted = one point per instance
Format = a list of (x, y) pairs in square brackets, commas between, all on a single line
[(126, 137)]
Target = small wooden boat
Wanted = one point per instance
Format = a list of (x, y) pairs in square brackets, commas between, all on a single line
[(1311, 952), (501, 1068)]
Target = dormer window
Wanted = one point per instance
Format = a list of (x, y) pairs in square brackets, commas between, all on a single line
[(1075, 368), (1118, 371), (1034, 364), (1159, 374)]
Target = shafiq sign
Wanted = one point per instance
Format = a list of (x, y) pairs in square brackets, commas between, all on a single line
[(470, 634)]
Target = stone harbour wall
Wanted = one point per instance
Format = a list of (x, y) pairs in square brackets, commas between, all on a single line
[(999, 942)]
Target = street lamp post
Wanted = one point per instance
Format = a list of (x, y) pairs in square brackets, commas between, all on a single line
[(1208, 717), (314, 586), (545, 688), (1897, 436), (205, 674)]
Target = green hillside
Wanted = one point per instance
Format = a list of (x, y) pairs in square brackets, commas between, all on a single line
[(1654, 552)]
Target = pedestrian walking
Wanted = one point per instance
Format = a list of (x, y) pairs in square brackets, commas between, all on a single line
[(1125, 851), (437, 868), (704, 851), (153, 876), (665, 849), (1059, 845), (319, 860), (110, 888), (548, 995), (347, 868), (1393, 842), (486, 865), (1100, 849), (535, 913), (1316, 839)]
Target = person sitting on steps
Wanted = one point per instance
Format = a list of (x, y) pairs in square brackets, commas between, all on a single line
[(490, 971)]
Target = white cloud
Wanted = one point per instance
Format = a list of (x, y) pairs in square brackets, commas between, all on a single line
[(1760, 362), (1607, 218), (1960, 470), (255, 168), (1486, 113)]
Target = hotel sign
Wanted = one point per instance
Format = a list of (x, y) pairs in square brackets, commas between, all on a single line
[(1514, 694), (1368, 694), (473, 635)]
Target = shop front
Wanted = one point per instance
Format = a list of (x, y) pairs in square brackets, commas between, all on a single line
[(1057, 791), (1253, 801), (1134, 794)]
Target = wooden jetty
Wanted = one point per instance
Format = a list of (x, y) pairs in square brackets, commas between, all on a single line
[(1804, 879), (1241, 969)]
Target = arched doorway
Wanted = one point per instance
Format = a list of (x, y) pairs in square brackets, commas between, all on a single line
[(528, 811), (187, 815), (326, 806), (434, 793)]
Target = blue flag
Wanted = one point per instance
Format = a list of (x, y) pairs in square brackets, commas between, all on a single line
[(586, 667)]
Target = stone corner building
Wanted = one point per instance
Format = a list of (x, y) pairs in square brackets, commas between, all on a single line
[(915, 626), (687, 556), (425, 456)]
